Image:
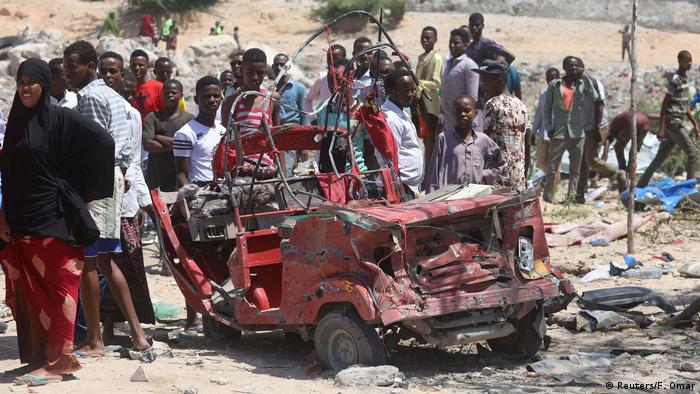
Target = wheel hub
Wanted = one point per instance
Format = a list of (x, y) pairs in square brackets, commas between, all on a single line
[(343, 350)]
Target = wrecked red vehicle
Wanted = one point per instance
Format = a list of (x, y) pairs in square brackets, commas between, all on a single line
[(339, 259)]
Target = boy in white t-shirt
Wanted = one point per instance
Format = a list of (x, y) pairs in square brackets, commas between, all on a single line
[(195, 142), (193, 147)]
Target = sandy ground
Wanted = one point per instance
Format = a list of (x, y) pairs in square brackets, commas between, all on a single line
[(266, 362)]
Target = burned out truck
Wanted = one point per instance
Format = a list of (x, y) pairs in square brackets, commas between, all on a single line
[(342, 259)]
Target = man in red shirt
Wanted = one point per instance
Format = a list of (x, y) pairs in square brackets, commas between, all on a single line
[(149, 93)]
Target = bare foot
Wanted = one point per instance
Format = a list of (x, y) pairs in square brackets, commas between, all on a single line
[(91, 350), (141, 343)]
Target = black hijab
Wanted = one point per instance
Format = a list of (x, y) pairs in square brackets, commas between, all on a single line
[(54, 160), (21, 117)]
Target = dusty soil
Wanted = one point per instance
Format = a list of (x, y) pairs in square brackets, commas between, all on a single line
[(267, 362)]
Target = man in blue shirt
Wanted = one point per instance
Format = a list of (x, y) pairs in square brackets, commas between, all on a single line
[(292, 95)]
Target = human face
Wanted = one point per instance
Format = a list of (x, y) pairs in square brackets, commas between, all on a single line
[(465, 112), (493, 85), (277, 63), (112, 71), (78, 74), (476, 28), (386, 66), (685, 63), (552, 75), (29, 91), (573, 68), (457, 46), (208, 99), (337, 54), (363, 60), (226, 79), (237, 66), (59, 83), (403, 93), (127, 89), (171, 95), (163, 71), (428, 38), (253, 75), (139, 66)]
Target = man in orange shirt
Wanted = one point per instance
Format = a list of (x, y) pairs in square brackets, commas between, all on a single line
[(149, 93)]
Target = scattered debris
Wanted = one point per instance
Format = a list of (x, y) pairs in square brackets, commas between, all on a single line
[(362, 376), (191, 390), (650, 273), (219, 380), (690, 270), (666, 192), (139, 375), (180, 333), (623, 298), (487, 371), (602, 321), (145, 356), (166, 311), (573, 368), (570, 234)]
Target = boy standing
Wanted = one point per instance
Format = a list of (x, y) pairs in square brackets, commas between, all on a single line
[(671, 129), (463, 156), (149, 93), (429, 74), (458, 79)]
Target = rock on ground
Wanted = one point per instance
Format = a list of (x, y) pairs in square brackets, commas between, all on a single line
[(362, 376)]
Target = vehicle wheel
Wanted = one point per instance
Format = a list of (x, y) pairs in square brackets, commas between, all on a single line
[(527, 338), (218, 331), (342, 339)]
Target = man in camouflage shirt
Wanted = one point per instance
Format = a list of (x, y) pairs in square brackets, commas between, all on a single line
[(671, 129), (507, 122)]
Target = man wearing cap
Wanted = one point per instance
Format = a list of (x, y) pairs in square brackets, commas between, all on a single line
[(507, 122)]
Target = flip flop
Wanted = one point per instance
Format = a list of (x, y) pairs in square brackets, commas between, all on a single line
[(92, 355), (35, 380)]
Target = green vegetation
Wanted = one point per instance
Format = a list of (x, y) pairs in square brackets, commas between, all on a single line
[(328, 10), (171, 5)]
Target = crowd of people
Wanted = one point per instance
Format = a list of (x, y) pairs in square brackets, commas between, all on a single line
[(88, 136)]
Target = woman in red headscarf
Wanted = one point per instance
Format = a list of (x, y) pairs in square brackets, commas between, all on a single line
[(148, 29), (53, 161)]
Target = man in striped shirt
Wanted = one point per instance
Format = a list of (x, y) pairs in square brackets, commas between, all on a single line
[(102, 104)]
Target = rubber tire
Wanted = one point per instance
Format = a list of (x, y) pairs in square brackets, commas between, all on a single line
[(525, 341), (345, 325), (218, 331)]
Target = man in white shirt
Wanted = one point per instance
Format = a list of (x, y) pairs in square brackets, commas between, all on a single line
[(195, 142), (401, 89), (319, 91), (60, 95), (194, 145)]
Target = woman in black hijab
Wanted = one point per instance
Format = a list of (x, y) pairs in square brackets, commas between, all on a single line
[(53, 162)]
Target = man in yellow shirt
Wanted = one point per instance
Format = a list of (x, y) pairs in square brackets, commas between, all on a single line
[(429, 73)]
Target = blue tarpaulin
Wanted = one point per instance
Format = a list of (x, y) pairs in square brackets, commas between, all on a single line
[(666, 192)]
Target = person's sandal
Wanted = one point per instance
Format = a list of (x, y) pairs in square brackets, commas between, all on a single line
[(34, 380)]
